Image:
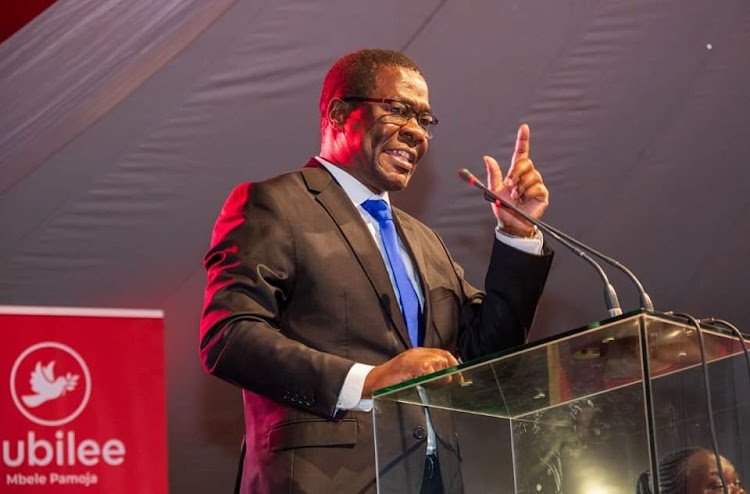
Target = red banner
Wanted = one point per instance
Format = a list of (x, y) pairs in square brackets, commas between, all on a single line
[(83, 407)]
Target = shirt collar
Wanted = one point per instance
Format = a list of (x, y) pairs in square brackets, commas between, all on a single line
[(356, 190)]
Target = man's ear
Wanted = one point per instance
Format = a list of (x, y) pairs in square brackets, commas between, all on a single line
[(338, 111)]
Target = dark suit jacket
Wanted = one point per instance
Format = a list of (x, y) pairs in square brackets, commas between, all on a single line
[(297, 293)]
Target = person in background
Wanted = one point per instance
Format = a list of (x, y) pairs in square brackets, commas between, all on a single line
[(692, 471)]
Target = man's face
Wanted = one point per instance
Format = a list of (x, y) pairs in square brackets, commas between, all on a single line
[(383, 156)]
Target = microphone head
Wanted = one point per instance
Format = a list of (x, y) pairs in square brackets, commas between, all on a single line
[(467, 176)]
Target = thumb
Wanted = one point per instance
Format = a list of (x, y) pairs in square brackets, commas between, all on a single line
[(494, 174)]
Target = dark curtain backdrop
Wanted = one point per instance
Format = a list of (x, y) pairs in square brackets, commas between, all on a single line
[(125, 125)]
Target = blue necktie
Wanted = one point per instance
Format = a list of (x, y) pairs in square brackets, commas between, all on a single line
[(380, 210), (408, 299)]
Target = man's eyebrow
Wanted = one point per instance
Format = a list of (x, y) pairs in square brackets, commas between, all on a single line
[(414, 104)]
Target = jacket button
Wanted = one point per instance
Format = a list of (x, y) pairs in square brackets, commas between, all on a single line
[(420, 433)]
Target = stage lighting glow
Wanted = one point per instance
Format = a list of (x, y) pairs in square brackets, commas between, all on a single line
[(597, 485), (597, 490)]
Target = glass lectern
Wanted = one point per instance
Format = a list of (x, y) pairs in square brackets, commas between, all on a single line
[(585, 412)]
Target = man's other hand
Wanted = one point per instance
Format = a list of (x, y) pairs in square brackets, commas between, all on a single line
[(414, 362)]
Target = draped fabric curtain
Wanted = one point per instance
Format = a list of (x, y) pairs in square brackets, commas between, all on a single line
[(125, 124)]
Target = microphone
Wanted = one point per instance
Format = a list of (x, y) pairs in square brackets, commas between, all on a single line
[(577, 247)]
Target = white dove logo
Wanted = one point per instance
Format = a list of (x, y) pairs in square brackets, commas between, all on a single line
[(45, 386)]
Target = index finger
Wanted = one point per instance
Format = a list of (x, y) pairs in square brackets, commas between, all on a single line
[(521, 150)]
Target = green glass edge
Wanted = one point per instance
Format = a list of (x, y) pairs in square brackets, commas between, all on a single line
[(503, 353), (542, 342)]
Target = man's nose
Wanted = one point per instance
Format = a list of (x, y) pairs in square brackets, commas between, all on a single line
[(414, 131)]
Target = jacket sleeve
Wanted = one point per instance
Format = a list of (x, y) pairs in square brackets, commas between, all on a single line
[(250, 278), (500, 317)]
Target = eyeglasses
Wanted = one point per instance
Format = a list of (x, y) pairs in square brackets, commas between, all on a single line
[(399, 113)]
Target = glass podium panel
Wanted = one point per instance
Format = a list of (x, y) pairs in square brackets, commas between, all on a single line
[(681, 411), (585, 412)]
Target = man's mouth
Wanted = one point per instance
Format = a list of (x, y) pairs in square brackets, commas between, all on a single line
[(404, 157)]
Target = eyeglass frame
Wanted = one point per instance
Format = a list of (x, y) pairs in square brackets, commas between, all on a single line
[(412, 112)]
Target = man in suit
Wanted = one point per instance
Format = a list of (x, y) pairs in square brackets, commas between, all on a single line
[(319, 292)]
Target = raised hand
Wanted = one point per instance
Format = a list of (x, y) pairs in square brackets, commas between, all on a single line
[(523, 187)]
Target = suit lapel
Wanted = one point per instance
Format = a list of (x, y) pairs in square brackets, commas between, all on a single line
[(409, 237), (338, 205)]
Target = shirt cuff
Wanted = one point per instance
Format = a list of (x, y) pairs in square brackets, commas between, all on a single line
[(350, 396), (531, 245)]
